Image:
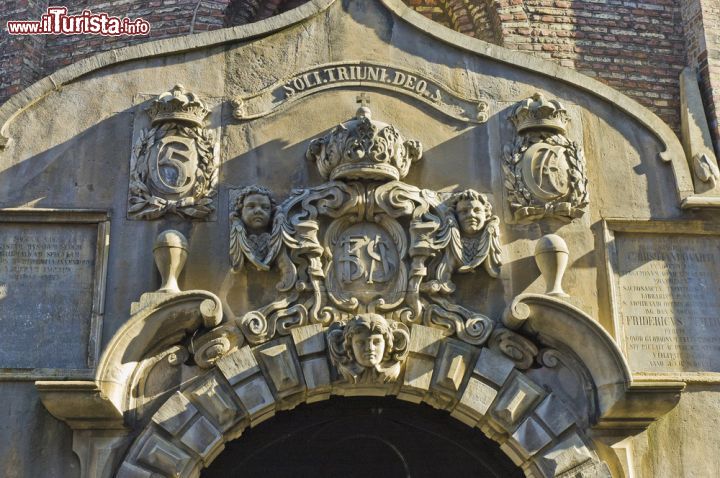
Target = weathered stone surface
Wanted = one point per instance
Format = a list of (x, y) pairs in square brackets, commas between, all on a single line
[(163, 455), (517, 399), (51, 275), (566, 455), (402, 213), (554, 414), (202, 437), (475, 401), (216, 401), (256, 398), (175, 413), (238, 365), (531, 436), (493, 366), (666, 307)]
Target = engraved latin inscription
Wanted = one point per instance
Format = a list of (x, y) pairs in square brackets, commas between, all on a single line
[(46, 294), (669, 288)]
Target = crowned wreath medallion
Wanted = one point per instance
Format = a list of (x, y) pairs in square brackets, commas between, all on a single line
[(174, 164), (544, 171)]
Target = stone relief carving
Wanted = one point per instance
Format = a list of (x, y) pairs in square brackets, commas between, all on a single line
[(250, 233), (174, 164), (471, 108), (544, 170), (551, 257), (364, 241), (368, 348)]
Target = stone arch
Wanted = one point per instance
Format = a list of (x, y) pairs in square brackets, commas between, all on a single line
[(477, 18), (491, 388), (241, 12)]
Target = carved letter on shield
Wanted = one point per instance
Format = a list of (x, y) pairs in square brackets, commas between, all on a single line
[(544, 170), (174, 164)]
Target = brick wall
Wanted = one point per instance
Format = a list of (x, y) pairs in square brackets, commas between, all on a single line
[(636, 46), (21, 57), (168, 18), (709, 67)]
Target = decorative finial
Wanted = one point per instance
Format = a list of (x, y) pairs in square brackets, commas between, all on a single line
[(170, 252), (364, 110), (362, 99), (551, 256), (539, 113)]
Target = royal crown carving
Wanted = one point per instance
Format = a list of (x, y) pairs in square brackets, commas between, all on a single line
[(364, 242), (174, 164), (544, 170), (178, 105), (537, 112), (363, 148)]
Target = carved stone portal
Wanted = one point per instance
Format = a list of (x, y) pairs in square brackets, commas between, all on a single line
[(364, 242), (544, 170), (174, 164)]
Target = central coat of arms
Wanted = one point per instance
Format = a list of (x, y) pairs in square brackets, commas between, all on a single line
[(364, 242)]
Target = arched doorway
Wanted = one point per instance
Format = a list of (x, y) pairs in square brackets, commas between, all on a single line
[(362, 436)]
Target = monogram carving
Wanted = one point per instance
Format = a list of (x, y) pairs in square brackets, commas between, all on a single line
[(544, 171), (174, 164), (364, 242)]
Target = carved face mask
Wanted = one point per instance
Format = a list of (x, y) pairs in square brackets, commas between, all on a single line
[(368, 348), (256, 212), (471, 216)]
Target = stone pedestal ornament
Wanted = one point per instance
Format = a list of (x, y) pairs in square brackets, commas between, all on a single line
[(170, 252), (544, 170), (551, 256), (174, 164), (695, 136)]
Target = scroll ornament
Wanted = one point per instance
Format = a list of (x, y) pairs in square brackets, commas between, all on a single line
[(544, 170), (364, 242), (174, 164)]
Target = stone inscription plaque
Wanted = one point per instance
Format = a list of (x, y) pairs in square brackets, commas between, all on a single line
[(46, 294), (669, 302)]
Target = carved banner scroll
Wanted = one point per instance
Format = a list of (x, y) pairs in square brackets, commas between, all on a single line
[(366, 75)]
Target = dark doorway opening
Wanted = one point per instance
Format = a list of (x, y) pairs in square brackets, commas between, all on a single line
[(362, 437)]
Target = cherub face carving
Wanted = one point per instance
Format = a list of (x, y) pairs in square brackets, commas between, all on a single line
[(472, 210), (256, 212), (471, 216), (368, 347)]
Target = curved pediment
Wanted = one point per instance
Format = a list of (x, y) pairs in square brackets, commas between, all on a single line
[(369, 204)]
